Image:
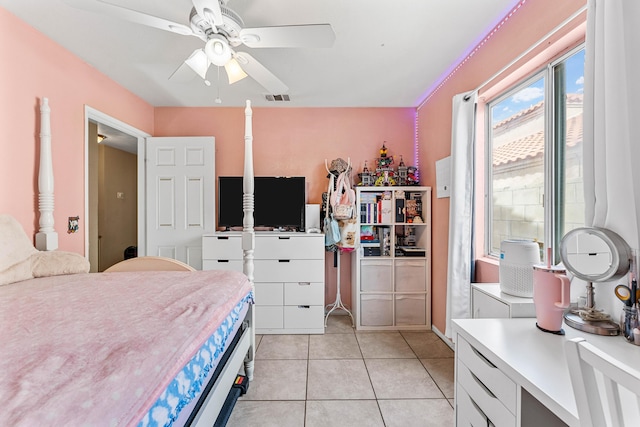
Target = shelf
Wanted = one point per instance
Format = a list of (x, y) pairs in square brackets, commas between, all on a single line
[(392, 286)]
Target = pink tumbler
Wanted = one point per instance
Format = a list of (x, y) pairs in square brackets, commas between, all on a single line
[(551, 292)]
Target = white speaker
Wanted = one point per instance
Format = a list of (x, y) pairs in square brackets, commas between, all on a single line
[(312, 218)]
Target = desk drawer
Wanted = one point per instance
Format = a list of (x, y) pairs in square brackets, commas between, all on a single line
[(289, 270), (290, 247), (222, 247), (486, 401), (468, 413), (491, 377), (304, 293)]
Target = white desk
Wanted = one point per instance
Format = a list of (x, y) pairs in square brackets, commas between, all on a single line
[(536, 362)]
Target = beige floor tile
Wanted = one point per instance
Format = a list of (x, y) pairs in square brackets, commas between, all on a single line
[(338, 379), (278, 380), (442, 372), (401, 379), (343, 413), (387, 345), (427, 345), (339, 324), (417, 412), (283, 347), (334, 346), (268, 414)]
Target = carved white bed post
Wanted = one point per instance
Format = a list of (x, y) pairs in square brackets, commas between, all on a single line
[(46, 238), (248, 237)]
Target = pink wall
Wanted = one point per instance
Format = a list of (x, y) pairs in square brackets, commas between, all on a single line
[(33, 66), (533, 21), (295, 142)]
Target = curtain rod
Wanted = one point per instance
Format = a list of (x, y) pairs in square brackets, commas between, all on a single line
[(531, 48)]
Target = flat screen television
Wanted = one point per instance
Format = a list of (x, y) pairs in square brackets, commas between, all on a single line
[(279, 202)]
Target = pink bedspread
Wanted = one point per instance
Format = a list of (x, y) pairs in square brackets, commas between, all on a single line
[(98, 349)]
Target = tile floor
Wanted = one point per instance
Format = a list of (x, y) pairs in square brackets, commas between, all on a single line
[(347, 378)]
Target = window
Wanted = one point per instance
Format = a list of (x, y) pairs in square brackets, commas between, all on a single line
[(535, 186)]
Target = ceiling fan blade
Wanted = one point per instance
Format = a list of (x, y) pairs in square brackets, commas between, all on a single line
[(259, 73), (209, 10), (104, 8), (314, 35)]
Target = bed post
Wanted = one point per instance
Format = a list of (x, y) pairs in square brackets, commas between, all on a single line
[(46, 238), (248, 238)]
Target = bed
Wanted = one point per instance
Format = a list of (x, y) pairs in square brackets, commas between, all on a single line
[(148, 342)]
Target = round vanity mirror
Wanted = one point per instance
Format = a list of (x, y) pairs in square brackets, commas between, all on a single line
[(595, 254)]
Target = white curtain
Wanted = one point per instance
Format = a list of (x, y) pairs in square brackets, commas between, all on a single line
[(460, 261), (611, 113)]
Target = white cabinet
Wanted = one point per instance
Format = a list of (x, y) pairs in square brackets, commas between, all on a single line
[(488, 302), (391, 271), (288, 276)]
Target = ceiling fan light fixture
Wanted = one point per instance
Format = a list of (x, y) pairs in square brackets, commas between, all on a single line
[(199, 62), (218, 50), (235, 73)]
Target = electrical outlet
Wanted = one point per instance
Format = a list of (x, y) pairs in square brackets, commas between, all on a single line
[(119, 195)]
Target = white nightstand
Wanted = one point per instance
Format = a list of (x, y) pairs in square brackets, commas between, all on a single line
[(487, 302)]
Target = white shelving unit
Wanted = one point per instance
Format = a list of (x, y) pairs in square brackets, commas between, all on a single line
[(392, 265)]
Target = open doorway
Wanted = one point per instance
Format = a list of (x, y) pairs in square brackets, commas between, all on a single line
[(114, 185)]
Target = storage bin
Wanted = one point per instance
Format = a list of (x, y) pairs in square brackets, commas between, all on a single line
[(411, 309), (376, 310), (376, 275), (410, 275)]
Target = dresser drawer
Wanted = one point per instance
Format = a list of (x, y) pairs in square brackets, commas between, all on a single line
[(269, 317), (488, 403), (289, 247), (222, 264), (303, 317), (222, 247), (269, 293), (493, 379), (289, 270), (468, 413), (309, 293)]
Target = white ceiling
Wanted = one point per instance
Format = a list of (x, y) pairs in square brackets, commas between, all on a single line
[(386, 53)]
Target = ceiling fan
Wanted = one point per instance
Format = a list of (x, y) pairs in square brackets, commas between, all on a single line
[(223, 30)]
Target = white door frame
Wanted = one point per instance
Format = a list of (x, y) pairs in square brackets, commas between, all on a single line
[(91, 114)]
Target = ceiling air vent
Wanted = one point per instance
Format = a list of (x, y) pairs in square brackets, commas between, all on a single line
[(277, 98)]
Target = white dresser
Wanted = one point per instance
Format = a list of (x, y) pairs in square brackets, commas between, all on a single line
[(288, 276)]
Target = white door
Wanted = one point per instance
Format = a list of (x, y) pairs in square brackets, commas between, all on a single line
[(180, 196)]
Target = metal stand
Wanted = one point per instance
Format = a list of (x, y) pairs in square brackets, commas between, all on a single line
[(590, 320), (337, 305)]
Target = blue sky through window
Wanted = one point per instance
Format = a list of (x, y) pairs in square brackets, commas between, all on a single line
[(534, 93)]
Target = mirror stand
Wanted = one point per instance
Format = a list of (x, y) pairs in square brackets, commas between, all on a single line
[(590, 320)]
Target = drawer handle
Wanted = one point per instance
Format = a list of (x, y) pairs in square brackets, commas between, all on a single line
[(223, 260), (304, 283), (481, 356), (284, 260), (223, 237), (477, 407), (284, 237), (484, 387), (304, 306)]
